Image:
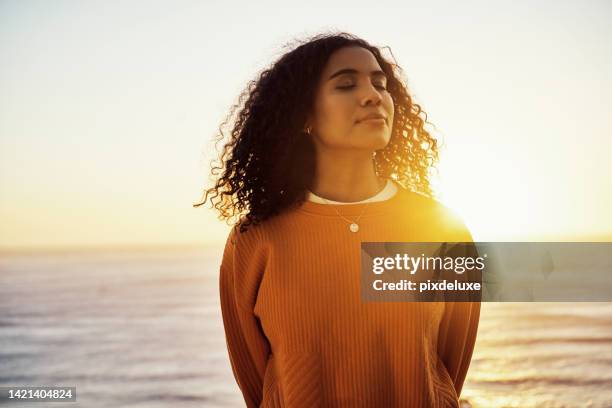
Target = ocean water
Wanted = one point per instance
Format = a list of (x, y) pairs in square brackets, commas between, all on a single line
[(144, 329)]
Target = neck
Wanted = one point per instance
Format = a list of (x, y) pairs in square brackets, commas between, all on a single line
[(346, 176)]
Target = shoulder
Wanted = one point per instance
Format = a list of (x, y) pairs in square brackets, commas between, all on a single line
[(249, 240), (429, 211), (272, 229), (245, 253)]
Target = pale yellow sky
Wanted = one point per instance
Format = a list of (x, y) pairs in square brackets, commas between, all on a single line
[(107, 110)]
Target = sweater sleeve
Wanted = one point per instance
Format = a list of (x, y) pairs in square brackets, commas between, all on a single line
[(459, 326), (246, 343), (457, 338)]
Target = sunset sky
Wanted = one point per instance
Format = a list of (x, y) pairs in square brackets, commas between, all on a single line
[(108, 110)]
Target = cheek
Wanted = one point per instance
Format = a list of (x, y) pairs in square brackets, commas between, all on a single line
[(336, 112), (389, 107)]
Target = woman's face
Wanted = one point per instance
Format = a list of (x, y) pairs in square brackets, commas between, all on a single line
[(352, 86)]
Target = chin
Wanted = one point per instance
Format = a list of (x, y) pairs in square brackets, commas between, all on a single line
[(376, 141)]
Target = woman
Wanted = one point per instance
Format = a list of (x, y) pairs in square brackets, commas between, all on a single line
[(330, 151)]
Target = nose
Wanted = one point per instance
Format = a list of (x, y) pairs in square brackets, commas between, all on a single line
[(371, 96)]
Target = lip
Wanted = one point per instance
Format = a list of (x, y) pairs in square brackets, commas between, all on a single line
[(381, 121), (373, 118)]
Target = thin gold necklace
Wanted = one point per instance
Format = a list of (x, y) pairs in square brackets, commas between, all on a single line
[(353, 225)]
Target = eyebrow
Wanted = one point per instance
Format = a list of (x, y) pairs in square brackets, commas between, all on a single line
[(376, 72)]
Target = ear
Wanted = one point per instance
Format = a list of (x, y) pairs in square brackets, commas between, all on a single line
[(307, 125)]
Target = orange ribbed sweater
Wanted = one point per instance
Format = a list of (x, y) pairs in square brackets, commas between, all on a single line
[(297, 332)]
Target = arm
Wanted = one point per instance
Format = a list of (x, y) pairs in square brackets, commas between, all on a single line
[(459, 324), (457, 337), (247, 345)]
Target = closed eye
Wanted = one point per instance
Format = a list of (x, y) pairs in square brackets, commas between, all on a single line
[(381, 87)]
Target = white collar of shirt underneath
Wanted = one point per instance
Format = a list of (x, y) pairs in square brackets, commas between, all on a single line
[(385, 194)]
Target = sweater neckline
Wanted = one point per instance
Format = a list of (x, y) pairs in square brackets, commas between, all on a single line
[(388, 191), (373, 207)]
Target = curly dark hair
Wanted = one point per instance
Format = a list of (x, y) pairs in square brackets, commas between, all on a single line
[(268, 163)]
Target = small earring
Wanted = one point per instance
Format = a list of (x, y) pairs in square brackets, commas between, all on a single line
[(308, 130)]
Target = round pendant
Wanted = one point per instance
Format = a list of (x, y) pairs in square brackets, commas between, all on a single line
[(354, 227)]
